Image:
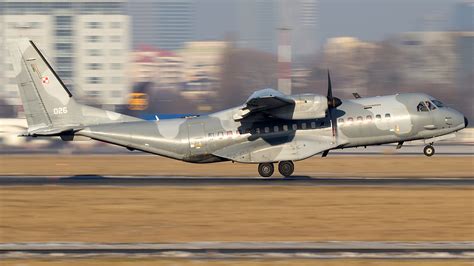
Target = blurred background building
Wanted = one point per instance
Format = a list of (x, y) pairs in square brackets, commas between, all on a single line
[(86, 41), (167, 24), (260, 21), (209, 54)]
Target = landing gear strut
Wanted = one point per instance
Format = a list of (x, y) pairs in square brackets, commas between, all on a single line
[(286, 168), (429, 150), (266, 169)]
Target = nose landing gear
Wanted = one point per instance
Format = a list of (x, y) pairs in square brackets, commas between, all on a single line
[(429, 150)]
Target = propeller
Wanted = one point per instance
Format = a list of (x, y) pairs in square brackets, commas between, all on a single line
[(333, 103)]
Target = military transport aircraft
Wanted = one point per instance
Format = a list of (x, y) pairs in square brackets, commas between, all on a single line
[(268, 128)]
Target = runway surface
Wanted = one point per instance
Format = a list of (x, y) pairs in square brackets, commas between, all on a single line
[(94, 180), (410, 149), (227, 250)]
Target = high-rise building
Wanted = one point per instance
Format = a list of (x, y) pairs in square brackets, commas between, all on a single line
[(258, 23), (464, 16), (166, 24), (306, 31), (301, 17), (86, 42), (260, 20)]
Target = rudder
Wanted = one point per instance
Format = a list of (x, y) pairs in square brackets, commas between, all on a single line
[(46, 100)]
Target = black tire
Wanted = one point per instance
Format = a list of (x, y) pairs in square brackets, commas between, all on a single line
[(266, 169), (286, 168), (429, 150)]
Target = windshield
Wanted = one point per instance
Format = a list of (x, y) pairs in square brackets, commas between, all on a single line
[(422, 107), (438, 103)]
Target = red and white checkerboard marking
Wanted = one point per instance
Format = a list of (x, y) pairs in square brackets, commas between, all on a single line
[(45, 80)]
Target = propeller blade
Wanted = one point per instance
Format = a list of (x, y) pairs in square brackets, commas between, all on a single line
[(333, 102), (329, 96), (333, 123)]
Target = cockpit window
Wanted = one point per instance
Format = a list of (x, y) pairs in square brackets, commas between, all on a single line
[(430, 105), (421, 107), (438, 103)]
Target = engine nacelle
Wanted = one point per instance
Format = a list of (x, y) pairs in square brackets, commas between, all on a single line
[(307, 106)]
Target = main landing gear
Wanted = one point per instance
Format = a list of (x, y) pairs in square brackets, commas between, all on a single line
[(429, 150), (286, 168), (266, 169)]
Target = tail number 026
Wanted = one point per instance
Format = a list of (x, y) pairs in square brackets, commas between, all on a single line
[(60, 110)]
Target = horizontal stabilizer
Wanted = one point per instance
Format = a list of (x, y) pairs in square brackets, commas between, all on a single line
[(51, 131)]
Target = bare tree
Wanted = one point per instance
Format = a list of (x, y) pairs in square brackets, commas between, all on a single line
[(244, 71)]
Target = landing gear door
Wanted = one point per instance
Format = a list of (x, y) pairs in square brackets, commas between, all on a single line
[(196, 138)]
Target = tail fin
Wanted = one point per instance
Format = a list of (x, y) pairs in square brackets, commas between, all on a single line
[(48, 104)]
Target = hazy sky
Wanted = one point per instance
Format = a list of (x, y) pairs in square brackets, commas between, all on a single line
[(365, 19)]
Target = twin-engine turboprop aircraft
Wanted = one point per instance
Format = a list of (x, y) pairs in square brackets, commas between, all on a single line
[(268, 128)]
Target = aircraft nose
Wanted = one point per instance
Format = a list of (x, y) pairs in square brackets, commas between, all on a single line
[(465, 121)]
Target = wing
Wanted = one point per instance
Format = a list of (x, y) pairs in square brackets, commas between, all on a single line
[(263, 100), (293, 148)]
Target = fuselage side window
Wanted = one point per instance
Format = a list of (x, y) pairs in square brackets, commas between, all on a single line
[(378, 117), (350, 120), (369, 118), (276, 129), (313, 124), (303, 125), (211, 135), (387, 115), (359, 119), (220, 134), (267, 129), (294, 126), (257, 130), (340, 120), (285, 127), (229, 133)]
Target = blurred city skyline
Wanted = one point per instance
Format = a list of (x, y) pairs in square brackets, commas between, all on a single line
[(369, 20), (201, 55)]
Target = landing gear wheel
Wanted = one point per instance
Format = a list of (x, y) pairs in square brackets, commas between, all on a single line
[(429, 150), (266, 169), (286, 168)]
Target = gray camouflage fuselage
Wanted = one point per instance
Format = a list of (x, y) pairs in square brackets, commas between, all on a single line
[(217, 137)]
